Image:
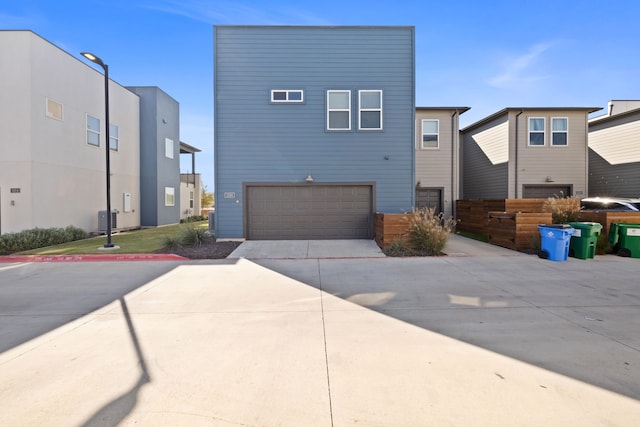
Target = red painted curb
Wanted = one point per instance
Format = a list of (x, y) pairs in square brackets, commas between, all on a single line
[(91, 258)]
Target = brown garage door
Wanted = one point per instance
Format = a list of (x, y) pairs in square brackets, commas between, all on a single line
[(309, 211), (544, 191)]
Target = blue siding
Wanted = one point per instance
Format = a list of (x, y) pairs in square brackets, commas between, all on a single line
[(159, 119), (256, 141)]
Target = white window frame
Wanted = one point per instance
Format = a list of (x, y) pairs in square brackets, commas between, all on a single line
[(423, 133), (168, 148), (361, 110), (287, 99), (50, 113), (566, 132), (191, 199), (544, 133), (114, 137), (93, 131), (330, 110), (169, 196)]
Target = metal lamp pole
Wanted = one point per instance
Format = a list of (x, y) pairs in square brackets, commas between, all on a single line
[(93, 58)]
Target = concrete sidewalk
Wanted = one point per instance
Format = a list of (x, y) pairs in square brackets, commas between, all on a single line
[(342, 342)]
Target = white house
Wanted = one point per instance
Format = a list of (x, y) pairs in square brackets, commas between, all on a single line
[(52, 151)]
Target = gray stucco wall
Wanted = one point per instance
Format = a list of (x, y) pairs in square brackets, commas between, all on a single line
[(159, 120), (257, 141)]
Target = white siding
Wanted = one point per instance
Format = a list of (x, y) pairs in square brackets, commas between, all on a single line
[(62, 179)]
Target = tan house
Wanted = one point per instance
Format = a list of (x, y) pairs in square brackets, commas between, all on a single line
[(438, 157), (614, 151), (531, 152), (190, 185)]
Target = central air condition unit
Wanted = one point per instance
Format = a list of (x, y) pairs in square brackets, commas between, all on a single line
[(102, 220)]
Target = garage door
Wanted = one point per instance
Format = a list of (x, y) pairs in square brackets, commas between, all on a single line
[(429, 198), (309, 211), (544, 191)]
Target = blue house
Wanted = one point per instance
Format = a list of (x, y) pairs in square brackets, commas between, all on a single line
[(159, 157), (314, 129)]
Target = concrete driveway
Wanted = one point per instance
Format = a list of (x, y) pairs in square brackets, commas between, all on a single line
[(330, 249), (456, 340)]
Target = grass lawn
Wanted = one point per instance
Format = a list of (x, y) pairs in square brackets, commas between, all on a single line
[(131, 242)]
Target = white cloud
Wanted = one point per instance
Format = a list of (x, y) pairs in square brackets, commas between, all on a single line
[(521, 70)]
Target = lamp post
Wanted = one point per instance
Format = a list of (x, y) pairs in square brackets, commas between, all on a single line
[(93, 58)]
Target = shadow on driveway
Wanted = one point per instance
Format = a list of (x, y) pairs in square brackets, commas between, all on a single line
[(40, 297)]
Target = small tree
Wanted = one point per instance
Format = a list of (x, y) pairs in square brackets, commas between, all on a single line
[(206, 198)]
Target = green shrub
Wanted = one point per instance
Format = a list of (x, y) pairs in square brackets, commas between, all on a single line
[(171, 242), (399, 247), (191, 236), (195, 218), (562, 209), (39, 238), (429, 231)]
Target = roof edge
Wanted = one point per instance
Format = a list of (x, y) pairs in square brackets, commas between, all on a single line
[(507, 110)]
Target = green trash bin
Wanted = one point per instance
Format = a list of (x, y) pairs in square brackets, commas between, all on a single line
[(584, 239), (625, 239)]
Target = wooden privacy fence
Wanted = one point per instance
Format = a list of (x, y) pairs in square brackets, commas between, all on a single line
[(515, 230), (512, 223), (607, 217), (473, 214), (390, 227)]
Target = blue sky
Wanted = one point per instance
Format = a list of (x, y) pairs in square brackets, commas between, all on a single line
[(486, 55)]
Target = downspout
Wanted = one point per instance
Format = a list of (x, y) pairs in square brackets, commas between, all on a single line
[(454, 170), (516, 155)]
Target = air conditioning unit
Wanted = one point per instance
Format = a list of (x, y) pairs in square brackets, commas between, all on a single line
[(102, 220)]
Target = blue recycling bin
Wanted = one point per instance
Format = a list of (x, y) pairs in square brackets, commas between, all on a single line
[(555, 239)]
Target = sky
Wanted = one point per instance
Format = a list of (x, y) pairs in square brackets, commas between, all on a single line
[(487, 55)]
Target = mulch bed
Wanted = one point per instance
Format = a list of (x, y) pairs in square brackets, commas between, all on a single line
[(207, 250)]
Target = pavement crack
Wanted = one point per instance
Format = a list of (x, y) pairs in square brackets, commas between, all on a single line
[(324, 336)]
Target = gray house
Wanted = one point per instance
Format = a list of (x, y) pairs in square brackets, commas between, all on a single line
[(438, 158), (159, 157), (313, 129), (526, 153), (614, 151)]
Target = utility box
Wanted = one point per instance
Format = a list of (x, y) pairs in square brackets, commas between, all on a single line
[(102, 220)]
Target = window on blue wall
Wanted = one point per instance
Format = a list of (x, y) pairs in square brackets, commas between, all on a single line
[(169, 196), (93, 130), (278, 95), (370, 110), (168, 148), (559, 131), (536, 131), (338, 110), (430, 133)]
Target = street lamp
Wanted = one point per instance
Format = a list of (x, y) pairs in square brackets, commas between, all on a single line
[(93, 58)]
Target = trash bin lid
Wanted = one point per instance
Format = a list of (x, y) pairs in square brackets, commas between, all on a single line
[(555, 225), (584, 225)]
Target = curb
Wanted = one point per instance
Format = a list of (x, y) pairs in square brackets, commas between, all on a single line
[(91, 258)]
